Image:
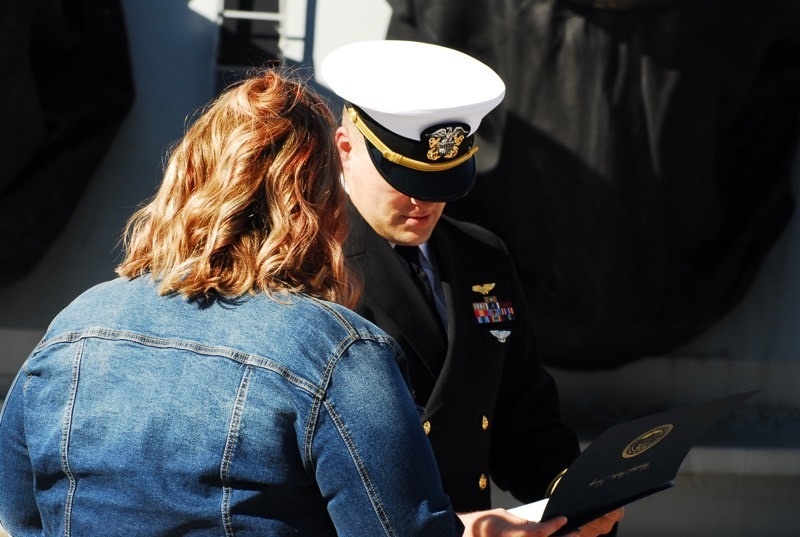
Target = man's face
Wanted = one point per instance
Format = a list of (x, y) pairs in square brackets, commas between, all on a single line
[(394, 216)]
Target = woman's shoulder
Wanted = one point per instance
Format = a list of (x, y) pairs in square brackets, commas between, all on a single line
[(346, 318)]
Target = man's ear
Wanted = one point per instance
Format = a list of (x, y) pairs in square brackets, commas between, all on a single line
[(343, 143)]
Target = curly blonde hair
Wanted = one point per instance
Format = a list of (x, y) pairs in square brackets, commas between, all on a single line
[(250, 200)]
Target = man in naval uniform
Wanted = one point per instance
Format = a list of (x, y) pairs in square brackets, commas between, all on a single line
[(407, 146)]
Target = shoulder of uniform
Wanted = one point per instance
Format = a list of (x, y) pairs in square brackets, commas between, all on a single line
[(473, 232)]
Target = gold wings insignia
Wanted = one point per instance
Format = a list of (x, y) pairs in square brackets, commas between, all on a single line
[(483, 288)]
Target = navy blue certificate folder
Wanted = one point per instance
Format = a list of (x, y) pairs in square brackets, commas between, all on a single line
[(632, 460)]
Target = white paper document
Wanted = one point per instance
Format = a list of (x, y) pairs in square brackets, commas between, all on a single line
[(531, 511)]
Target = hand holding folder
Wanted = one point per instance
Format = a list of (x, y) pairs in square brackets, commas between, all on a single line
[(627, 462)]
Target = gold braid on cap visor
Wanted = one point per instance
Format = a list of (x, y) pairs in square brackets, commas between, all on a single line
[(397, 158)]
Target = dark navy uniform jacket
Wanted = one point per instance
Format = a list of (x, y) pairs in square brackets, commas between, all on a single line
[(489, 408)]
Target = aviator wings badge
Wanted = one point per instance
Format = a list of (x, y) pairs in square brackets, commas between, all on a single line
[(483, 288), (501, 335)]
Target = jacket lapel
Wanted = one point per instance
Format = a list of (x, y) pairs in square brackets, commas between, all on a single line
[(452, 268), (392, 294)]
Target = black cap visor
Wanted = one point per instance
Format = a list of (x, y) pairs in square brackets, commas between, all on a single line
[(421, 177), (441, 186)]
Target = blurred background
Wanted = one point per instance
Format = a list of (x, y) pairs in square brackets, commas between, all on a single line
[(642, 169)]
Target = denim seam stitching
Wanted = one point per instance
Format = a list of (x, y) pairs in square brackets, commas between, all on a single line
[(366, 479), (187, 345), (66, 433), (321, 400), (320, 391), (230, 446), (339, 317)]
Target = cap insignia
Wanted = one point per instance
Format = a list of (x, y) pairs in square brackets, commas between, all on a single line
[(445, 142), (448, 142)]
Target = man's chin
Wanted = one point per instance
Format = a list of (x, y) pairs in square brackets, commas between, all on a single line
[(422, 227), (412, 239)]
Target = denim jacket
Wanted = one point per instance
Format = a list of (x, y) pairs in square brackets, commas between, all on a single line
[(140, 414)]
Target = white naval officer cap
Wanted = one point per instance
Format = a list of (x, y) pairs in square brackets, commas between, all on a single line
[(418, 106)]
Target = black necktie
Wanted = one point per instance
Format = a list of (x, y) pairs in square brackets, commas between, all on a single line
[(411, 254)]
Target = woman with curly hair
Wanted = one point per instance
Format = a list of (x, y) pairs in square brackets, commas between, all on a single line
[(220, 386)]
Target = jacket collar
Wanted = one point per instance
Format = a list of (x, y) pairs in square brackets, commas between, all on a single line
[(390, 289)]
